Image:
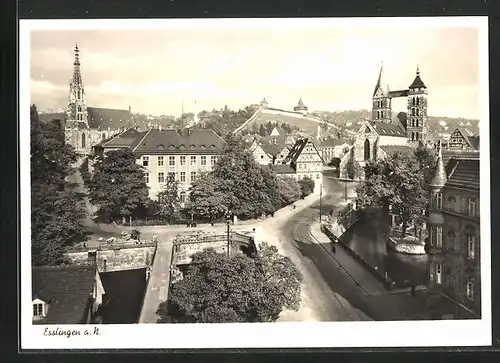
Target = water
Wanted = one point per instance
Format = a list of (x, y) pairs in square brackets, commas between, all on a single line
[(366, 241), (125, 291)]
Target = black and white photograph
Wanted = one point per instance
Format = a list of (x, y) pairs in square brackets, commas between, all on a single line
[(234, 183)]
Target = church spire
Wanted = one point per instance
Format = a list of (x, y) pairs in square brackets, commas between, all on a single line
[(77, 75), (380, 81), (439, 178)]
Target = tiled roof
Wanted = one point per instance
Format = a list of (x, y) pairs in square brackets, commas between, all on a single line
[(283, 169), (277, 141), (333, 142), (399, 93), (459, 154), (124, 139), (474, 141), (67, 290), (108, 118), (192, 141), (417, 83), (82, 125), (391, 149), (387, 129), (296, 150), (465, 174)]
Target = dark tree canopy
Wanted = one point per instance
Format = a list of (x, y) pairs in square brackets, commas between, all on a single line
[(118, 187), (56, 210), (306, 186), (228, 289)]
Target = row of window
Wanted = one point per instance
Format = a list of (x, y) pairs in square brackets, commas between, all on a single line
[(171, 160), (382, 103), (380, 114), (415, 136), (438, 278), (416, 101), (314, 166), (453, 204), (436, 239), (415, 111), (171, 176), (415, 122)]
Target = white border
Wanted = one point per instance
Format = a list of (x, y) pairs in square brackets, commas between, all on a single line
[(282, 335)]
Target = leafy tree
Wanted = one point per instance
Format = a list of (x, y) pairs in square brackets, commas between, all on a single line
[(306, 186), (397, 180), (289, 190), (204, 198), (254, 129), (118, 186), (427, 161), (262, 131), (169, 201), (269, 127), (56, 211), (334, 163), (227, 289), (353, 169)]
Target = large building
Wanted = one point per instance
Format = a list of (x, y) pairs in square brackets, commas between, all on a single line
[(385, 132), (454, 234), (333, 148), (88, 126), (179, 155)]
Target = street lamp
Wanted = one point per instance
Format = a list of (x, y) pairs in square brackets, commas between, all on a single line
[(345, 190), (228, 222), (320, 197)]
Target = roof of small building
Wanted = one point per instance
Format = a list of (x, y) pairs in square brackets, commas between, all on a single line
[(388, 129), (391, 149), (283, 169), (186, 141), (464, 173), (449, 154), (67, 290), (105, 118)]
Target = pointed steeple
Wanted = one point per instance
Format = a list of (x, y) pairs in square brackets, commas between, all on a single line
[(439, 178), (417, 82), (77, 75), (380, 81)]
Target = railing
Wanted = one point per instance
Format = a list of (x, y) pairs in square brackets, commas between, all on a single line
[(106, 246)]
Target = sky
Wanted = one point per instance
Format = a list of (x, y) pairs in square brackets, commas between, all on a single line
[(331, 68)]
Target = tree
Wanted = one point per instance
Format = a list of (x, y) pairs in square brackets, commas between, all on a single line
[(56, 211), (204, 198), (269, 127), (306, 186), (118, 186), (334, 162), (427, 161), (353, 169), (397, 180), (169, 203), (262, 131), (289, 190), (219, 288)]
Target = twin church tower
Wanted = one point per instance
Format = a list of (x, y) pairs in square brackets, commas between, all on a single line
[(416, 94)]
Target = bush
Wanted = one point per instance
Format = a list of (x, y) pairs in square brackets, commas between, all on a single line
[(347, 216), (353, 169), (84, 171), (306, 186), (135, 234)]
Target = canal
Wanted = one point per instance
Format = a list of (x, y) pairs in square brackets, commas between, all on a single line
[(366, 241)]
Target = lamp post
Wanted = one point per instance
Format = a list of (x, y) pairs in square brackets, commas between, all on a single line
[(228, 222), (320, 197), (345, 190)]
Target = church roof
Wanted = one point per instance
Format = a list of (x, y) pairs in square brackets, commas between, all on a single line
[(187, 141), (387, 129), (105, 118), (465, 174), (391, 149), (417, 82), (125, 139), (380, 82), (67, 290)]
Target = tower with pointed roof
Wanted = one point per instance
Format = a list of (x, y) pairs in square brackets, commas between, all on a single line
[(264, 104), (416, 127), (77, 108), (381, 109), (300, 107)]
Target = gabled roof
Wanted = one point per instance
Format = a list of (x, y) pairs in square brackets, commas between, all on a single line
[(187, 141), (391, 149), (465, 174), (124, 139), (67, 290), (297, 149), (387, 129), (105, 118), (449, 154), (474, 141)]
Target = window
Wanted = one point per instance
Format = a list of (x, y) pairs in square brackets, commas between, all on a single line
[(146, 178), (83, 140), (472, 207), (103, 136), (183, 197), (145, 161), (262, 156), (213, 159), (439, 237), (451, 240), (161, 177), (183, 176), (471, 246), (160, 160), (193, 176), (183, 160), (438, 270), (171, 177), (439, 201), (193, 160), (38, 310), (470, 288), (171, 160), (367, 149)]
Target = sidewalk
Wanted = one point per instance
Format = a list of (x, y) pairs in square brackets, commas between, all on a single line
[(363, 278)]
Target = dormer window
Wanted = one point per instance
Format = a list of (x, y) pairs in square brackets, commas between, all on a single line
[(39, 309)]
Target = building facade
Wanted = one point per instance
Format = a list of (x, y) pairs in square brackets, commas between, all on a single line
[(333, 148), (454, 234), (86, 126)]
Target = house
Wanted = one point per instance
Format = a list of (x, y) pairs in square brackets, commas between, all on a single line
[(454, 234), (69, 294), (299, 118), (305, 161), (88, 126), (262, 152), (369, 144), (460, 139), (333, 148)]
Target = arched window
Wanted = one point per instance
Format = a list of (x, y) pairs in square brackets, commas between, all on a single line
[(83, 140), (103, 136), (79, 108), (416, 123), (413, 101), (416, 136), (418, 111), (183, 197), (413, 136), (381, 114), (418, 101), (367, 149), (451, 239)]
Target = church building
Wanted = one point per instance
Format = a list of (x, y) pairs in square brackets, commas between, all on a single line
[(384, 134), (85, 126)]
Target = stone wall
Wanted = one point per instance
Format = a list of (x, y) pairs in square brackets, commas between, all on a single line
[(116, 259), (183, 252)]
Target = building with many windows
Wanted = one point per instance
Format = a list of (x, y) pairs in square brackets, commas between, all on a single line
[(454, 234)]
